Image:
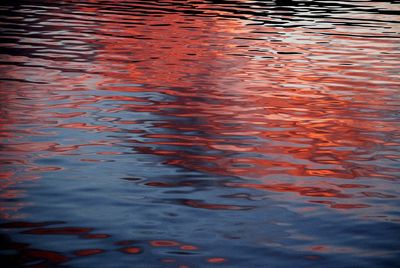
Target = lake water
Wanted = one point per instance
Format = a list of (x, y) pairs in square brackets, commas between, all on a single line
[(200, 133)]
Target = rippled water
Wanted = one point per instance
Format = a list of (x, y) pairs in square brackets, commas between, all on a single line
[(200, 133)]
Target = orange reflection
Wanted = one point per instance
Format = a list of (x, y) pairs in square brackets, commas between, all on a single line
[(249, 101), (131, 250), (256, 105), (306, 114), (164, 243), (216, 260), (296, 120)]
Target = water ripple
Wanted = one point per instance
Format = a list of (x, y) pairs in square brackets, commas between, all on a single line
[(199, 133)]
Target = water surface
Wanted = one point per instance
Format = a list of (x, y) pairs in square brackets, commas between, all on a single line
[(199, 133)]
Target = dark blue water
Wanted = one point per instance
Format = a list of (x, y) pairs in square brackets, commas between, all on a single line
[(199, 133)]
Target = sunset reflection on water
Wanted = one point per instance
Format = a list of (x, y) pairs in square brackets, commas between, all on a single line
[(196, 134)]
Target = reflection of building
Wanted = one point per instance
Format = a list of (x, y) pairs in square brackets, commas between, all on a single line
[(247, 101), (241, 103), (130, 97)]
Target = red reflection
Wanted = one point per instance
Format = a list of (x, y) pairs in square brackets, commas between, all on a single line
[(131, 250), (259, 113), (216, 260), (163, 243), (59, 231), (87, 252), (312, 257), (168, 260), (294, 129), (188, 247), (281, 110), (25, 254), (255, 105), (320, 248), (50, 256)]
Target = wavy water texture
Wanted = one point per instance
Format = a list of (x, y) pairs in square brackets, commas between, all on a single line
[(199, 133)]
